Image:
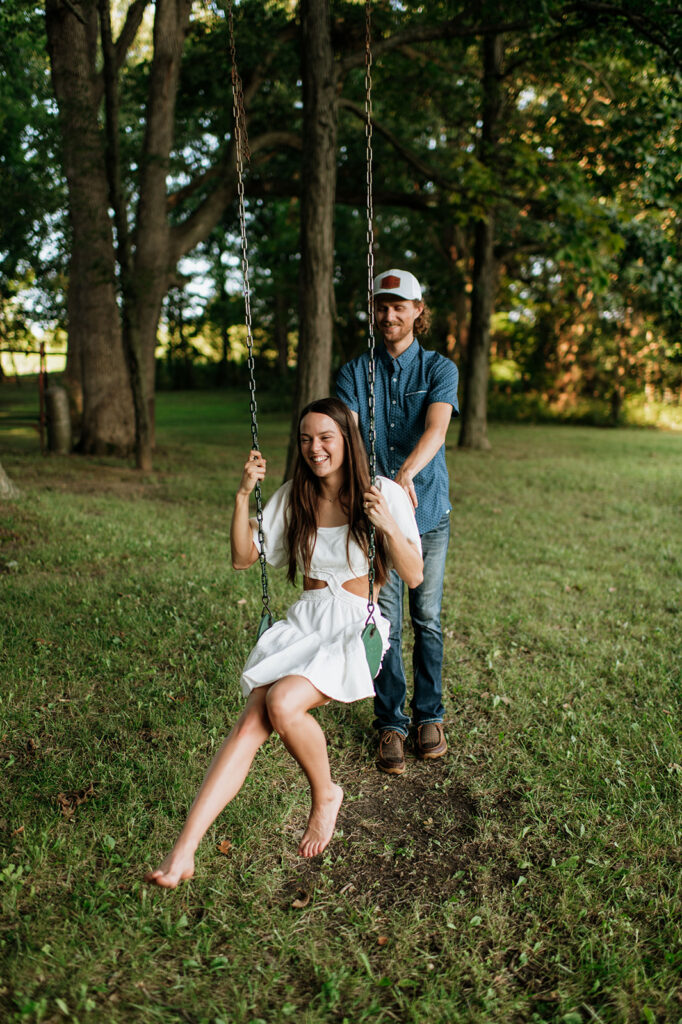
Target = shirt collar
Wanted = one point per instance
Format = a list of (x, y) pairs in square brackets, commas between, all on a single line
[(405, 358)]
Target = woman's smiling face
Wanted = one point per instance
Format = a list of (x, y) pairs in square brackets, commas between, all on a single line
[(322, 444)]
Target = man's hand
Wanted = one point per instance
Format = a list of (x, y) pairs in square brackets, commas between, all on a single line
[(404, 478)]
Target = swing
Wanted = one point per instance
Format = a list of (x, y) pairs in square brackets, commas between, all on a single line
[(242, 152), (370, 636)]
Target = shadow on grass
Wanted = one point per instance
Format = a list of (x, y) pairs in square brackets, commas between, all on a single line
[(395, 836)]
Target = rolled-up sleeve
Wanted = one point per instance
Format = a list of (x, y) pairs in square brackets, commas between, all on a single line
[(443, 383), (346, 388)]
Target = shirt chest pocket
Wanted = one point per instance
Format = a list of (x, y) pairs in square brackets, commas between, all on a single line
[(415, 403)]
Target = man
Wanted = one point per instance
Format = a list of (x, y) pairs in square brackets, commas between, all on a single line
[(416, 393)]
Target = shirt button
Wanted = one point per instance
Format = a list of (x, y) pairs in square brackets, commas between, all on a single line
[(393, 402), (392, 424), (392, 448)]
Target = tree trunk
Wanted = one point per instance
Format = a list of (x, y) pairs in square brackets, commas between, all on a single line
[(281, 331), (8, 492), (127, 282), (94, 326), (152, 234), (455, 246), (316, 299), (474, 429), (73, 372)]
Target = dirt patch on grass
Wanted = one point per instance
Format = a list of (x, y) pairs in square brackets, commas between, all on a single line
[(400, 835), (74, 476)]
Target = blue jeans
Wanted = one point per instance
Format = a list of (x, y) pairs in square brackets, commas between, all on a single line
[(427, 661)]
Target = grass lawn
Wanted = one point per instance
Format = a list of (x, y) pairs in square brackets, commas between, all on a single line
[(534, 874)]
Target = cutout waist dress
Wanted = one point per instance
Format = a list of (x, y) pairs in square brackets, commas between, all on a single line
[(319, 638)]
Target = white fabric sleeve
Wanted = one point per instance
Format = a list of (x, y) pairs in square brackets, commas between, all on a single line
[(400, 507), (274, 527)]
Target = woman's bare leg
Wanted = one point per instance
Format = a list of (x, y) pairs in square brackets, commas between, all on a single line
[(288, 702), (223, 781)]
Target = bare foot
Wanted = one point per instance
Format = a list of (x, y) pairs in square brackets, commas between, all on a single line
[(321, 824), (177, 867)]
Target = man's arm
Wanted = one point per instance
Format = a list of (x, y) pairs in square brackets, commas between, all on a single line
[(436, 425)]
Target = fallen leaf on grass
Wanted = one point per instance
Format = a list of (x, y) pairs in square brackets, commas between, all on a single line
[(18, 831), (382, 940), (497, 698), (301, 901), (242, 600), (68, 802), (224, 847)]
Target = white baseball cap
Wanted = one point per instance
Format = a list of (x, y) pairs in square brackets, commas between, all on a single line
[(398, 282)]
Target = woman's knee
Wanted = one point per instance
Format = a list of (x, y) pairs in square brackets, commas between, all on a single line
[(254, 722), (277, 706), (282, 704)]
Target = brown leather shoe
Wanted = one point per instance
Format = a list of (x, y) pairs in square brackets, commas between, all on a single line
[(391, 758), (431, 742)]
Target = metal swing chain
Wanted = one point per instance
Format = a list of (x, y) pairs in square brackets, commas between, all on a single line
[(243, 154), (371, 553)]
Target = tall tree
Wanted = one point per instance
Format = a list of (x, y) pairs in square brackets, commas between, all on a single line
[(473, 433), (104, 342), (318, 193), (96, 369)]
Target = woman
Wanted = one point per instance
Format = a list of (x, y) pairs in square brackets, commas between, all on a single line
[(318, 523)]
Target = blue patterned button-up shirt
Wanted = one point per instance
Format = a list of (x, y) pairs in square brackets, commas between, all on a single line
[(405, 387)]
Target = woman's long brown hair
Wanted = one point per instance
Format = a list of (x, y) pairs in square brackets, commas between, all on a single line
[(305, 491)]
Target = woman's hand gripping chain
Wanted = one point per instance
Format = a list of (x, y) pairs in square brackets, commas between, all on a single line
[(376, 507), (254, 472)]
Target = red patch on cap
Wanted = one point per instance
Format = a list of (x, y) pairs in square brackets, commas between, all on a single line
[(390, 281)]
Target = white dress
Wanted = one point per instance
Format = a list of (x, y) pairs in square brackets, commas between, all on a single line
[(320, 636)]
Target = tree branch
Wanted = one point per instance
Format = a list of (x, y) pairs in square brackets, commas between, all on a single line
[(129, 30), (596, 74), (411, 158), (268, 189), (123, 43), (453, 29), (184, 236), (76, 13), (649, 29), (177, 198)]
